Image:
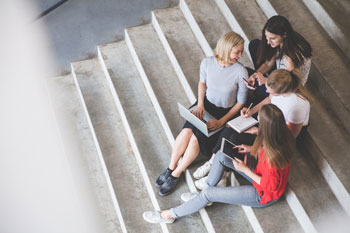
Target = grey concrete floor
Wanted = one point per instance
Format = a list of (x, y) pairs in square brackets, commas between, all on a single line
[(78, 26)]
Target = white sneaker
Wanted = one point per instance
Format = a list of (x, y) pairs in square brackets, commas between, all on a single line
[(202, 170), (222, 182), (155, 217), (190, 195), (202, 183)]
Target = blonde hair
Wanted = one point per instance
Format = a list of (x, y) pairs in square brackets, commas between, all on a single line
[(225, 45), (282, 81), (274, 136)]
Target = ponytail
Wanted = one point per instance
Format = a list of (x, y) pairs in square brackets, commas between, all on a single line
[(295, 81), (282, 81)]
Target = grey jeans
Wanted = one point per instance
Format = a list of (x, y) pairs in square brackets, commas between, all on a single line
[(240, 195)]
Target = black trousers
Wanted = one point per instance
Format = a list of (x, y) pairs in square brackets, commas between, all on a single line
[(259, 94)]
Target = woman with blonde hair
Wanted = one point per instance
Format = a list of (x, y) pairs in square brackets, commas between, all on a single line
[(273, 149), (222, 93), (288, 94)]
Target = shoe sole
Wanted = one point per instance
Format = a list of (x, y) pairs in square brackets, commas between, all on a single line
[(200, 177), (165, 194), (147, 220), (209, 203), (220, 186), (199, 188)]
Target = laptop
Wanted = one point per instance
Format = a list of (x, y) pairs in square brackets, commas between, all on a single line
[(200, 124)]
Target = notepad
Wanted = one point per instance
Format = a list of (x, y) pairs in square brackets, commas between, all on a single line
[(240, 124)]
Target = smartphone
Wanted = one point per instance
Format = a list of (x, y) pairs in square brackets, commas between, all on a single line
[(246, 81), (227, 149)]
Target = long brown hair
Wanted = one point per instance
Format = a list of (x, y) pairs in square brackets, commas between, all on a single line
[(282, 81), (294, 45), (274, 136)]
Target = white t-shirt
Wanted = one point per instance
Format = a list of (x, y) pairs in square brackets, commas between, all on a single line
[(225, 86), (295, 109)]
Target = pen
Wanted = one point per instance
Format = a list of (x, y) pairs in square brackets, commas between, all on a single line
[(246, 113)]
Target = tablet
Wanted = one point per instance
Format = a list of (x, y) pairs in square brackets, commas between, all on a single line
[(227, 149)]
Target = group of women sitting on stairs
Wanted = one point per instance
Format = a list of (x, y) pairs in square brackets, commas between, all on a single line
[(282, 60)]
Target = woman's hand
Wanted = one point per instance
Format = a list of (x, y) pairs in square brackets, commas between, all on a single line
[(261, 79), (245, 112), (243, 149), (199, 111), (252, 130), (240, 165), (251, 82), (214, 124)]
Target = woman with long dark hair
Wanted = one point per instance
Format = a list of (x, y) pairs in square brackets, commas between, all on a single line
[(280, 47), (273, 149)]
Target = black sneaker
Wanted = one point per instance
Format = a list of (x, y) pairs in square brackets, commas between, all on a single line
[(168, 186), (162, 178)]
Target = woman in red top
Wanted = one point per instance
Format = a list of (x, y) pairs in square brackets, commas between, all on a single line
[(273, 149)]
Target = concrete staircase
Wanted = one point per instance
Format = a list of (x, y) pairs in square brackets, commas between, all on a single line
[(122, 118)]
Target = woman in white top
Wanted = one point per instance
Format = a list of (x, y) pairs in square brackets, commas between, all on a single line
[(221, 92), (280, 47), (288, 94)]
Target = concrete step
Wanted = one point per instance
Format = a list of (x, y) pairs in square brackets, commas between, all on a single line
[(160, 73), (149, 135), (312, 190), (330, 62), (332, 15), (208, 18), (328, 143), (272, 217), (182, 42), (80, 147), (339, 11), (252, 19), (127, 181)]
